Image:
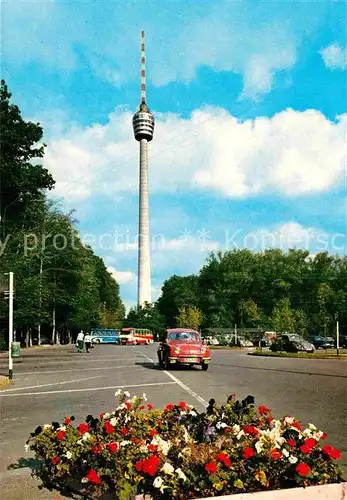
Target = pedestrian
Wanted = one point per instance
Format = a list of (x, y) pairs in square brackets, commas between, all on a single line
[(80, 341), (87, 341)]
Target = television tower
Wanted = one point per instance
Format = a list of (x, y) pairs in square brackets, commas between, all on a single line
[(143, 125)]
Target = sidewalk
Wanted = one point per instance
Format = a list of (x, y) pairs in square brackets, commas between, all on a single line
[(19, 484)]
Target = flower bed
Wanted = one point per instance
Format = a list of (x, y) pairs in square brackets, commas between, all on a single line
[(179, 453)]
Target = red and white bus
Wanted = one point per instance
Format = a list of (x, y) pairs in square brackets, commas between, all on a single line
[(136, 336)]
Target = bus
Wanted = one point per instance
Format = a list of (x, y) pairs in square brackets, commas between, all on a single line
[(105, 336), (136, 336)]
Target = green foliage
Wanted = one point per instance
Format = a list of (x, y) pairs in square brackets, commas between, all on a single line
[(189, 317), (147, 316), (60, 284), (271, 290)]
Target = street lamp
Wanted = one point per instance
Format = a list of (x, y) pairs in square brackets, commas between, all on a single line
[(337, 334), (10, 325)]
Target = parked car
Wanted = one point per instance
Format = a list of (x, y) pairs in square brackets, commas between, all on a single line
[(183, 346), (212, 341), (240, 341), (291, 342), (321, 342)]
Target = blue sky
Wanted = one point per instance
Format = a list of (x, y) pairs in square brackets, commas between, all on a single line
[(250, 103)]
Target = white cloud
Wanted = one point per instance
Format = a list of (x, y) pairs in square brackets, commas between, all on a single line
[(334, 56), (122, 277), (238, 37), (292, 153)]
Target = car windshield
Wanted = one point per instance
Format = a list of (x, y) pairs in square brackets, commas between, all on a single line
[(187, 336)]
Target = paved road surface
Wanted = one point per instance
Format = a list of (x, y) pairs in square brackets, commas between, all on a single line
[(51, 383)]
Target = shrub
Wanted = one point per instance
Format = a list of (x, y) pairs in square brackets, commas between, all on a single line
[(179, 453)]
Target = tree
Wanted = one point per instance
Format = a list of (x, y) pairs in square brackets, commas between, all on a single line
[(177, 291), (189, 317), (249, 312), (148, 317), (283, 317)]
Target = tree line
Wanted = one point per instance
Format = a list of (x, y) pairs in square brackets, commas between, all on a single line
[(272, 290), (61, 286)]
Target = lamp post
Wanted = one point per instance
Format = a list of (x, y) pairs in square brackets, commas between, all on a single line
[(337, 334), (10, 325)]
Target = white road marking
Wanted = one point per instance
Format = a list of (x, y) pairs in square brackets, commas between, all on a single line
[(53, 383), (181, 384), (76, 370), (4, 395)]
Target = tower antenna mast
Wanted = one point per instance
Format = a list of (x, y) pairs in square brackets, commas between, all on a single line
[(143, 68)]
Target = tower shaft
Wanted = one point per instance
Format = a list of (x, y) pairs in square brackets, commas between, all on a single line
[(144, 267)]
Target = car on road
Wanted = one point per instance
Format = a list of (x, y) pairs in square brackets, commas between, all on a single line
[(322, 342), (291, 342), (183, 346), (241, 341)]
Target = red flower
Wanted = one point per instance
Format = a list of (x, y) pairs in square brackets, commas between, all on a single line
[(67, 421), (305, 449), (134, 439), (332, 452), (101, 415), (128, 405), (139, 465), (108, 427), (182, 405), (169, 407), (297, 425), (248, 452), (324, 436), (291, 442), (113, 447), (96, 449), (227, 429), (153, 432), (310, 442), (269, 420), (211, 467), (141, 407), (151, 465), (93, 477), (83, 428), (152, 447), (263, 410), (55, 460), (61, 435), (150, 407), (250, 429), (124, 431), (223, 457), (275, 454), (303, 469)]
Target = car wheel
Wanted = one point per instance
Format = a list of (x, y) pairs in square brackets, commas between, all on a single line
[(204, 367), (97, 341)]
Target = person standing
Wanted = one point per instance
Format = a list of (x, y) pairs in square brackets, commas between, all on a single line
[(87, 341), (80, 341)]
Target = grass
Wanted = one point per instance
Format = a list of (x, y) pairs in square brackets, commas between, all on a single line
[(314, 355)]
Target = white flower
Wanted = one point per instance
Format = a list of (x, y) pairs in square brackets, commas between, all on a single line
[(236, 428), (114, 421), (144, 397), (127, 394), (84, 480), (192, 412), (159, 483), (86, 436), (285, 453), (181, 474), (106, 416), (312, 427), (240, 434), (68, 454), (289, 420), (259, 446), (292, 459), (163, 445), (118, 393), (221, 425), (167, 468), (27, 447), (124, 443), (47, 426), (62, 428)]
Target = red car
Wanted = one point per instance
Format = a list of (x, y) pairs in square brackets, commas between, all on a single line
[(183, 346)]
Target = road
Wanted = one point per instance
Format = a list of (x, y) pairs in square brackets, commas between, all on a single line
[(51, 383)]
